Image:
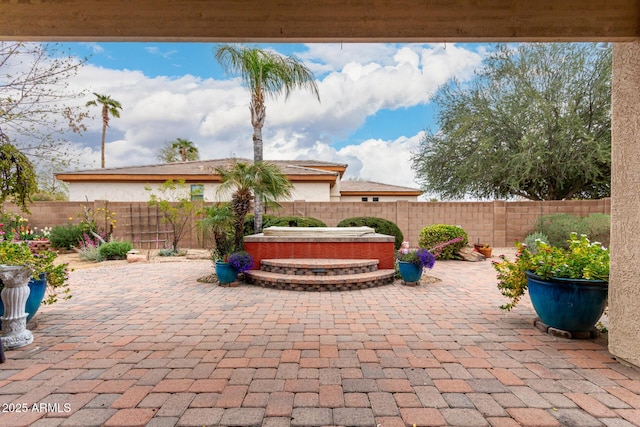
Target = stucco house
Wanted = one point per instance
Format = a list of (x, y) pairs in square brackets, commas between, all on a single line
[(313, 181)]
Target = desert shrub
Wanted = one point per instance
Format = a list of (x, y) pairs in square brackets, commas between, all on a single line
[(559, 226), (530, 241), (167, 252), (89, 247), (432, 235), (66, 236), (599, 228), (115, 249), (381, 225), (282, 221)]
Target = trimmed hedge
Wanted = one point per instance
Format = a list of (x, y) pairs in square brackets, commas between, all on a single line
[(282, 221), (433, 235), (381, 225)]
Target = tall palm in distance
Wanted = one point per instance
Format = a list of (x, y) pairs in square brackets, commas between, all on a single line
[(186, 149), (109, 106), (265, 74), (248, 181)]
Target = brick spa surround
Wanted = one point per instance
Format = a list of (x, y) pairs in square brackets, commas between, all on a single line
[(369, 246)]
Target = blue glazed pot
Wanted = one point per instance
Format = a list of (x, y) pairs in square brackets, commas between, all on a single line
[(226, 273), (409, 271), (573, 305), (37, 289)]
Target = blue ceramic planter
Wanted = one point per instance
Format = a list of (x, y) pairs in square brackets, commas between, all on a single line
[(37, 289), (226, 273), (409, 271), (573, 305)]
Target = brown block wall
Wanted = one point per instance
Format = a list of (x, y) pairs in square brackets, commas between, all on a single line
[(498, 223)]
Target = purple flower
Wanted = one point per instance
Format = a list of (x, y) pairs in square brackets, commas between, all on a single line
[(241, 261), (420, 257)]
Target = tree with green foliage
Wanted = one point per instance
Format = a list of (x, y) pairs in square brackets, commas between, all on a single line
[(265, 74), (180, 150), (250, 182), (534, 123), (109, 106), (218, 222), (18, 178), (173, 200)]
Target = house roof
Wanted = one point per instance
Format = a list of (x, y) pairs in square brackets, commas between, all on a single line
[(204, 171), (364, 188)]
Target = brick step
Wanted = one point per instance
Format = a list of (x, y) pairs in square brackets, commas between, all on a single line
[(343, 282), (319, 267)]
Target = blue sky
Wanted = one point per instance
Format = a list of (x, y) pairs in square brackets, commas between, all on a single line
[(374, 103)]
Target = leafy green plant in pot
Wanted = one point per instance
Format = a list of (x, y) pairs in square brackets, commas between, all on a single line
[(568, 287), (411, 263), (238, 262), (49, 279)]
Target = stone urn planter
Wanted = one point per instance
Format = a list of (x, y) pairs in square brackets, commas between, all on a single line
[(37, 289), (14, 297)]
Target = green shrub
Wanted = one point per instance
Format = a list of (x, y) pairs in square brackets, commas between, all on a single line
[(90, 253), (381, 225), (66, 236), (167, 252), (530, 241), (115, 250), (599, 228), (559, 226), (282, 221), (432, 235)]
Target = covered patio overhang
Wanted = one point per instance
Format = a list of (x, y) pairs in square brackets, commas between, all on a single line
[(399, 21)]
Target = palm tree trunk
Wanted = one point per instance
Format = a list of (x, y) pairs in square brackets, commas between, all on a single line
[(104, 136), (105, 123), (258, 112)]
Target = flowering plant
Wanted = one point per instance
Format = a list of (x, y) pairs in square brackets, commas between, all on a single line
[(241, 261), (420, 258), (12, 253), (583, 260), (423, 257)]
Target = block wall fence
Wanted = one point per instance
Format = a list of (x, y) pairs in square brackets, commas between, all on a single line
[(498, 223)]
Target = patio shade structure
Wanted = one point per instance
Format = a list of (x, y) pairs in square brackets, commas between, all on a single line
[(615, 21)]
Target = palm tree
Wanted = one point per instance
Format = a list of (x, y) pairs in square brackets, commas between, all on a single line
[(264, 74), (246, 181), (109, 106), (186, 149)]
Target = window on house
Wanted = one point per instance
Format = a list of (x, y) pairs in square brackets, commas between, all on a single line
[(376, 199), (197, 192), (365, 199)]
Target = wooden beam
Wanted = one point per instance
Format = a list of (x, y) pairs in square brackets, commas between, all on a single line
[(320, 20)]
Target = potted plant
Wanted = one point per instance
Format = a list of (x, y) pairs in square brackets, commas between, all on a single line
[(568, 287), (485, 250), (228, 269), (411, 263), (48, 277)]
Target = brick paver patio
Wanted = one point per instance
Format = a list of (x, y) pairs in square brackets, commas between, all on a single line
[(146, 344)]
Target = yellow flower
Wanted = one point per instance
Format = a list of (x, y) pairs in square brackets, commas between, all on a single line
[(70, 218)]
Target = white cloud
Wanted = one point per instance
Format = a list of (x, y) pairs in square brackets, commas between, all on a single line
[(359, 81), (94, 47)]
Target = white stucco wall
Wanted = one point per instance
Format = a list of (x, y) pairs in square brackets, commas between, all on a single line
[(381, 198), (135, 191)]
